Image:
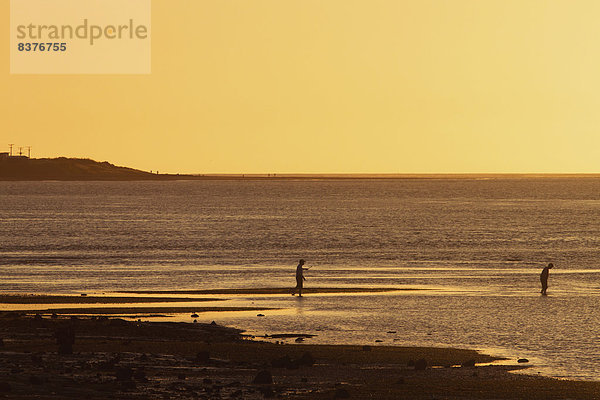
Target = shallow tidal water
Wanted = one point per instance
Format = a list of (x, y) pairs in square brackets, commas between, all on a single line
[(473, 248)]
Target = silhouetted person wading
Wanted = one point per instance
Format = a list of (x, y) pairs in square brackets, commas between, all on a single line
[(544, 277), (299, 278)]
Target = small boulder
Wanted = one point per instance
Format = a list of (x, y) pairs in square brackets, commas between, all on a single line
[(124, 374), (36, 359), (421, 364), (263, 377), (35, 380), (267, 392), (117, 322), (341, 393), (468, 364), (140, 374), (307, 359), (281, 362), (65, 338), (128, 385), (202, 356), (522, 360)]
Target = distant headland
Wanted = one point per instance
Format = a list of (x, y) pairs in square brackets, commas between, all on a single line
[(23, 168)]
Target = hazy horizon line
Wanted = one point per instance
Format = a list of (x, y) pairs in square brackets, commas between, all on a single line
[(399, 175)]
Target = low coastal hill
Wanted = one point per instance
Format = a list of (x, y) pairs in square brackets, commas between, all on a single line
[(72, 169)]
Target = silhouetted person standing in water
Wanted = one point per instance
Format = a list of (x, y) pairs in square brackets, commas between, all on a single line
[(544, 278), (299, 278)]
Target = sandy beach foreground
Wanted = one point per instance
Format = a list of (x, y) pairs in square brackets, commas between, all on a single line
[(98, 357)]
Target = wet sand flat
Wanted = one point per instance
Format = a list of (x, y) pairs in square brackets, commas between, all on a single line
[(277, 290), (139, 310), (58, 299)]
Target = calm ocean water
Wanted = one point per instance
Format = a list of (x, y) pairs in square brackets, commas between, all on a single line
[(476, 245)]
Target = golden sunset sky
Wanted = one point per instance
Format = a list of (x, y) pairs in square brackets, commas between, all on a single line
[(325, 86)]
